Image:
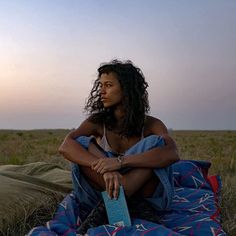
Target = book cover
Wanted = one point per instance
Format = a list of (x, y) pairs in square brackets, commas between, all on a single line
[(117, 210)]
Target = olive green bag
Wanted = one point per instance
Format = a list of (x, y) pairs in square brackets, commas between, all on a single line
[(29, 195)]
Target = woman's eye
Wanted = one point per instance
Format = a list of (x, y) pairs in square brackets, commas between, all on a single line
[(108, 85)]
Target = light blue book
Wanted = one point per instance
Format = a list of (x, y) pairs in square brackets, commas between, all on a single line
[(117, 210)]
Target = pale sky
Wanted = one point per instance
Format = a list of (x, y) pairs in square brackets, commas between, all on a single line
[(50, 51)]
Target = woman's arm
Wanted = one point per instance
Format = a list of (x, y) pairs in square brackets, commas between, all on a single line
[(155, 158), (73, 151)]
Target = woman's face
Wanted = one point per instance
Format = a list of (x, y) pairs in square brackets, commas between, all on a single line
[(110, 90)]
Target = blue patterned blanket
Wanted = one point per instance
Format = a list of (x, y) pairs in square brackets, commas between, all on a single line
[(194, 210)]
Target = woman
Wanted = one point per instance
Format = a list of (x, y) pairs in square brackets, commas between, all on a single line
[(119, 144)]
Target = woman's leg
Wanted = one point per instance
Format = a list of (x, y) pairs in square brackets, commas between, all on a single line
[(141, 182), (83, 179), (95, 179), (158, 187)]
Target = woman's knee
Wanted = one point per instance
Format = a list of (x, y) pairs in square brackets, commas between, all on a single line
[(155, 140), (147, 143), (84, 141)]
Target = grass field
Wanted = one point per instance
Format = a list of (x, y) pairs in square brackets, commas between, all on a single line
[(218, 147)]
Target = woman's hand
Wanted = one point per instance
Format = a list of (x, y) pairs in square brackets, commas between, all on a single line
[(103, 165), (113, 181)]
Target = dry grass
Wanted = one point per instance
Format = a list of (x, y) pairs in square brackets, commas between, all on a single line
[(32, 217), (218, 147), (22, 147)]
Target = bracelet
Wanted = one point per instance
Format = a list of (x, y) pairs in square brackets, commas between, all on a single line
[(120, 159)]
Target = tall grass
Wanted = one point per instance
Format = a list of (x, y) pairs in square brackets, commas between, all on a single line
[(218, 147), (22, 147)]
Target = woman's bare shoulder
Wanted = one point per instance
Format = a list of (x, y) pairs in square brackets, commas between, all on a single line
[(154, 125)]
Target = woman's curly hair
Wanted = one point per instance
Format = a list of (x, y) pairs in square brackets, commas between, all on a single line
[(135, 98)]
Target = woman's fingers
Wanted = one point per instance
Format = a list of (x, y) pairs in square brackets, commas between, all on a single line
[(110, 188), (112, 184), (101, 170), (108, 178), (94, 164), (116, 187), (105, 164), (107, 185), (97, 165)]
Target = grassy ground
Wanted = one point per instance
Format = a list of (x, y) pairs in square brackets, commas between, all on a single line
[(218, 147), (22, 147)]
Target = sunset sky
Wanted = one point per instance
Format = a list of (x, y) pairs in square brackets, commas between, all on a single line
[(50, 51)]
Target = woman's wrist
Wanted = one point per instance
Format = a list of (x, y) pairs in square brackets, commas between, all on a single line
[(120, 159)]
